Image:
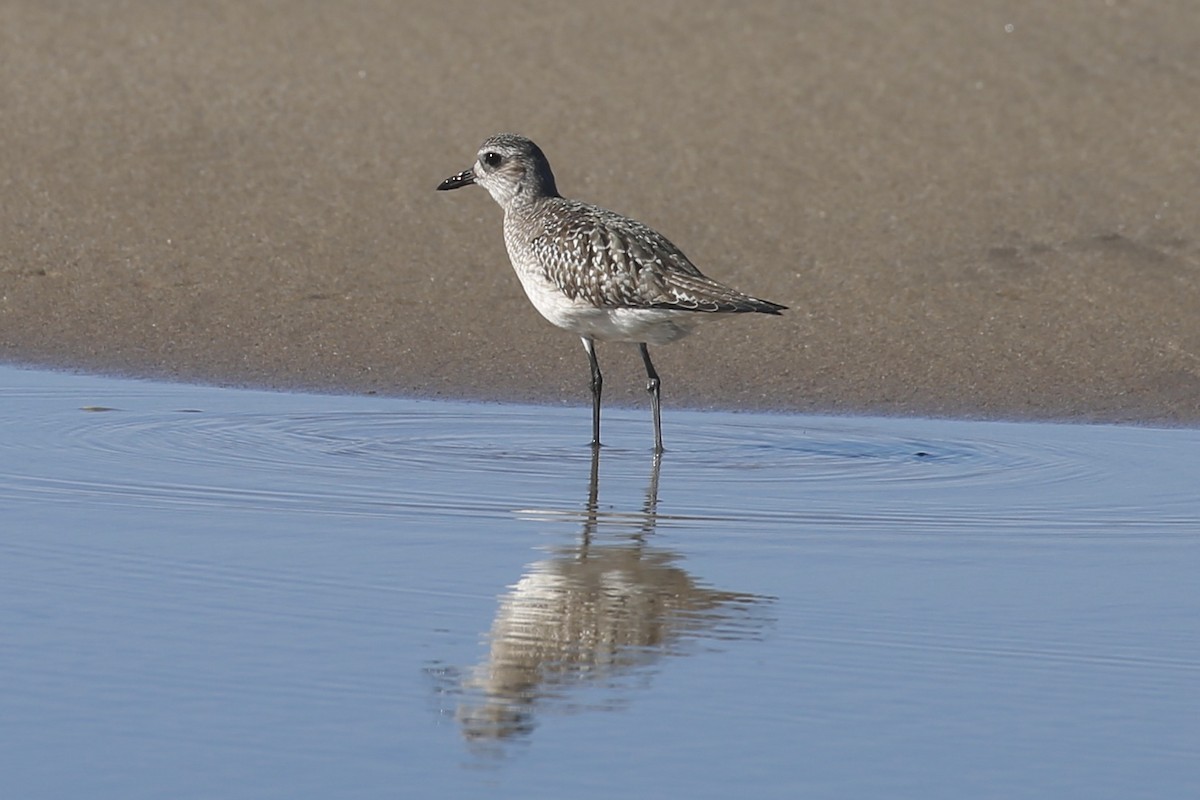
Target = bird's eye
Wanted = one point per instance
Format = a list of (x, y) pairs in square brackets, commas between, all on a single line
[(492, 159)]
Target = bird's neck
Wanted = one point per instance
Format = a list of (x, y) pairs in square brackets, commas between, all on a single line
[(528, 196)]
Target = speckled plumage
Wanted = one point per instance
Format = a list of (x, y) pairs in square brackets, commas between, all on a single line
[(591, 271)]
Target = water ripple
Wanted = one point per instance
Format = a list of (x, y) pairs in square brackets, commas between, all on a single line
[(461, 459)]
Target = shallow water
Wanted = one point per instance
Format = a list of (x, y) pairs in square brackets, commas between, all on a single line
[(219, 593)]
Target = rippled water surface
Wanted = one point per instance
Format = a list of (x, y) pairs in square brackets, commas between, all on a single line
[(218, 593)]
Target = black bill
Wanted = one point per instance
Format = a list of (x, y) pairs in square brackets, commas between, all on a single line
[(464, 178)]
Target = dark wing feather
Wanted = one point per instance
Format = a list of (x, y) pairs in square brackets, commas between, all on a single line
[(611, 261), (697, 293)]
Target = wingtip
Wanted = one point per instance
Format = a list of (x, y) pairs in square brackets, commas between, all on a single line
[(766, 307)]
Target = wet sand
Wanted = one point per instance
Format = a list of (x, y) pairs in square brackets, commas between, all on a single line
[(972, 210)]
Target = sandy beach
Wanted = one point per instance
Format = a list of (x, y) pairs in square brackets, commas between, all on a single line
[(972, 209)]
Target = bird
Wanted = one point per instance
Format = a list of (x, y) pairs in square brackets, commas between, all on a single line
[(594, 272)]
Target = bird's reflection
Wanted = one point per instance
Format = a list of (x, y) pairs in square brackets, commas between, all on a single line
[(595, 614)]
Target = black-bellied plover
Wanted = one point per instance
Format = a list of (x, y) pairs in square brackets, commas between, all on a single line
[(593, 272)]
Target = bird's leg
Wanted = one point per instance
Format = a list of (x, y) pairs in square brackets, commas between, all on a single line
[(597, 385), (652, 386)]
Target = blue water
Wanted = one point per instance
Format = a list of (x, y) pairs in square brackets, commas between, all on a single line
[(222, 593)]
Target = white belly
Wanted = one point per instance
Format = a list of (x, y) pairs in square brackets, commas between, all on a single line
[(650, 325)]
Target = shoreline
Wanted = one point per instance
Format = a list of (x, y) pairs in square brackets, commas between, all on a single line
[(635, 403)]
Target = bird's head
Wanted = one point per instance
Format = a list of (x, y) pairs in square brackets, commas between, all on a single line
[(512, 169)]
